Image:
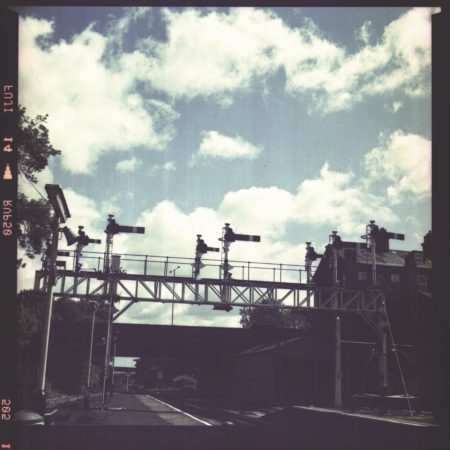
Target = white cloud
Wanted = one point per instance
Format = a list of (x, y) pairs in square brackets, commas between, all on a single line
[(334, 199), (364, 33), (26, 275), (169, 166), (217, 145), (128, 165), (110, 206), (404, 160), (394, 107), (93, 108), (35, 190), (206, 54), (217, 54), (85, 212)]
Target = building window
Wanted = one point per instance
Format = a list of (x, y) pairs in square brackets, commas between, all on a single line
[(362, 276), (395, 278), (422, 280)]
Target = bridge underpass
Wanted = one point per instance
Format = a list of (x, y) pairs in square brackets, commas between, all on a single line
[(258, 286)]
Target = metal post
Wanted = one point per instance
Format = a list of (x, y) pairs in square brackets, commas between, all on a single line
[(114, 360), (383, 372), (107, 352), (51, 281), (226, 248), (333, 241), (335, 268), (174, 271), (337, 367), (308, 274), (94, 307), (78, 249), (373, 246)]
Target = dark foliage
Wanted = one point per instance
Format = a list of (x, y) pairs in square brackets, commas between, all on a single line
[(33, 145)]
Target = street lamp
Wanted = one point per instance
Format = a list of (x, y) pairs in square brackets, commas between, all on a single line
[(61, 214), (173, 288)]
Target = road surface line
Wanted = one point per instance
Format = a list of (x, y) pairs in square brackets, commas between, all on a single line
[(179, 410)]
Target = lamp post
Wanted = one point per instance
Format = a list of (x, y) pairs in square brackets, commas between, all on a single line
[(61, 214), (173, 288)]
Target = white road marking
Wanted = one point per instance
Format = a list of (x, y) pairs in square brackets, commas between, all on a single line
[(179, 410)]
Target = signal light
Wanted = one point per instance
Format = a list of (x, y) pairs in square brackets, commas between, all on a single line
[(113, 227), (81, 239), (231, 236), (200, 250), (311, 253), (71, 238)]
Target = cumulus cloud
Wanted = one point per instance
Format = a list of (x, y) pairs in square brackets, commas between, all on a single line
[(93, 108), (217, 145), (334, 198), (128, 165), (222, 53), (404, 160)]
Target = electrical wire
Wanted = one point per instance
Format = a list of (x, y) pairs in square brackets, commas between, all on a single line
[(398, 360), (32, 184)]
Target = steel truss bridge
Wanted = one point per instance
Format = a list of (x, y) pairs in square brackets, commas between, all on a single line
[(149, 279)]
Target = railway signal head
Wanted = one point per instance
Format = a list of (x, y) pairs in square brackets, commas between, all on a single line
[(230, 236), (114, 228), (71, 238), (202, 247), (82, 239), (311, 253)]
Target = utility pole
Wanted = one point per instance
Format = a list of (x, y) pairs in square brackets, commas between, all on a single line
[(338, 365), (61, 214), (48, 315), (94, 307)]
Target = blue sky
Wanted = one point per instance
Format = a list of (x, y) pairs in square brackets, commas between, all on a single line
[(285, 122)]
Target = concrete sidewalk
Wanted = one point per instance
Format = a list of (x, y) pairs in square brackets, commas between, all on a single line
[(130, 409)]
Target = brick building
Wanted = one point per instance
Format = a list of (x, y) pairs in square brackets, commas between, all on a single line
[(405, 277)]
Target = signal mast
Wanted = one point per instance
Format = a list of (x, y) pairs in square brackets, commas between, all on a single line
[(229, 236), (200, 250), (82, 240), (112, 228)]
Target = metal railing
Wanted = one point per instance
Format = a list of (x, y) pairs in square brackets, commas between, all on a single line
[(211, 268)]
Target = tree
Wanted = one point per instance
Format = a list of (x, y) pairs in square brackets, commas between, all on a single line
[(33, 145), (68, 350), (34, 150), (272, 316), (30, 319)]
